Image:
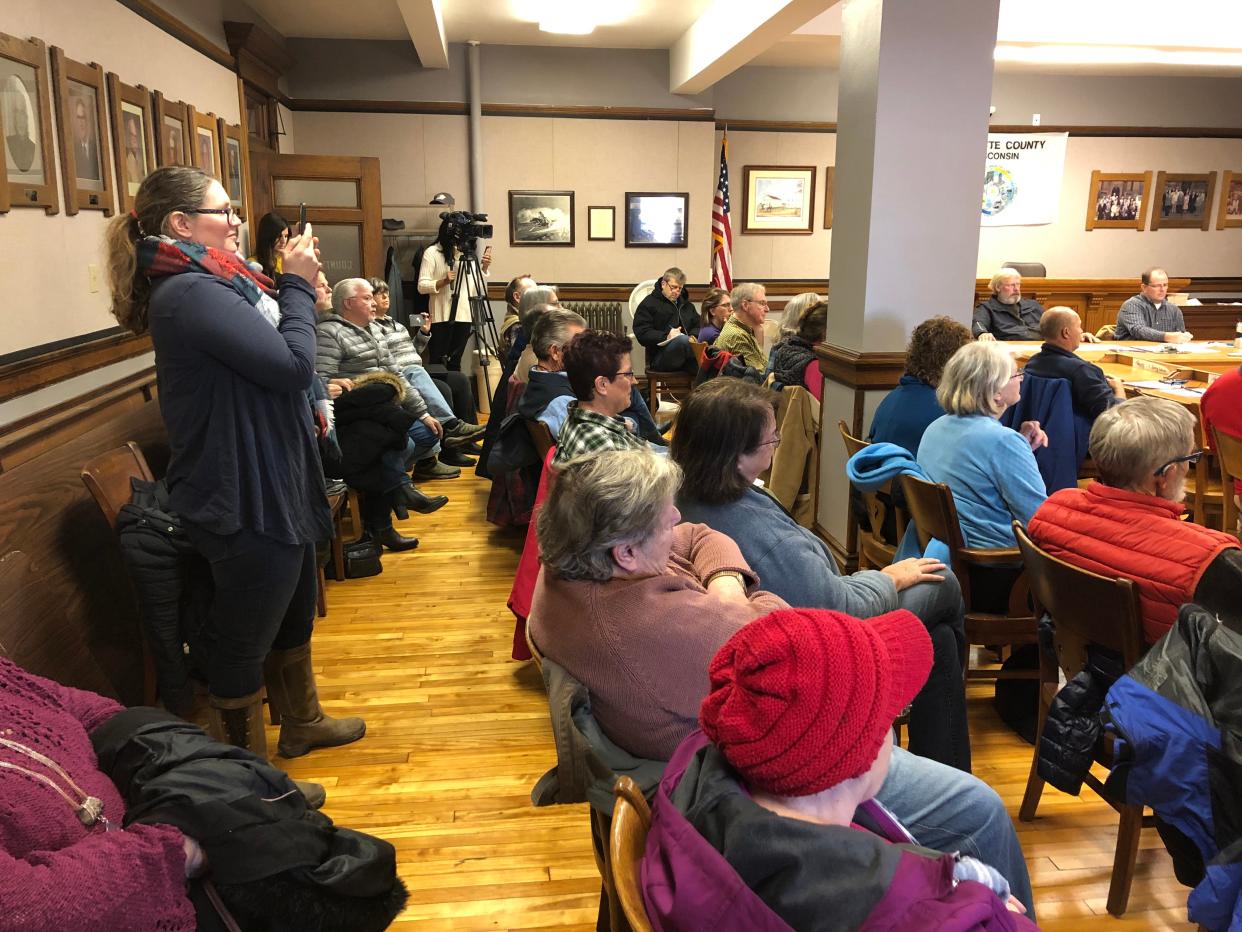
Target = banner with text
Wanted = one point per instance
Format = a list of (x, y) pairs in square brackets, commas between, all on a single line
[(1022, 181)]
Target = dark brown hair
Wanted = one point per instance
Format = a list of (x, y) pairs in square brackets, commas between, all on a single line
[(813, 322), (932, 343), (718, 423), (711, 301), (590, 354), (512, 287)]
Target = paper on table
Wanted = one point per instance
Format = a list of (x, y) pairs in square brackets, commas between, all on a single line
[(1174, 390)]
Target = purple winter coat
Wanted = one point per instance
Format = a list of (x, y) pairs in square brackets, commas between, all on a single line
[(717, 861)]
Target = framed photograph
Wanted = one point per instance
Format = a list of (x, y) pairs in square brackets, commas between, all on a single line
[(830, 183), (656, 218), (1118, 200), (602, 223), (171, 131), (205, 151), (28, 172), (1183, 200), (1230, 213), (133, 137), (235, 166), (541, 218), (779, 198), (85, 145)]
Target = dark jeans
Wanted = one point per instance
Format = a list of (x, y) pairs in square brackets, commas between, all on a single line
[(448, 342), (674, 356), (458, 394), (264, 600)]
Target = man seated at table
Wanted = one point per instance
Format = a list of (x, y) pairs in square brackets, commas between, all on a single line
[(1150, 315), (1093, 391), (1006, 315), (1129, 523)]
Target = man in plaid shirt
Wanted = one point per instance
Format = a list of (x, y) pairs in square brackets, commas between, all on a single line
[(598, 367), (1150, 315)]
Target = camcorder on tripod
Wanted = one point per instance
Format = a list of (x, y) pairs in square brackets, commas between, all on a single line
[(465, 229)]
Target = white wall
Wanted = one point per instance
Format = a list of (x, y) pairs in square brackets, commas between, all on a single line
[(43, 260)]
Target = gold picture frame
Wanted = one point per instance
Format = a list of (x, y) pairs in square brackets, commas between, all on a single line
[(205, 141), (1229, 213), (234, 165), (1183, 200), (779, 198), (172, 131), (1118, 200), (830, 184), (28, 169), (133, 137)]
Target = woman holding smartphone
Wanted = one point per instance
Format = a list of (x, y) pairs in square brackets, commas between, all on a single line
[(235, 356), (450, 326)]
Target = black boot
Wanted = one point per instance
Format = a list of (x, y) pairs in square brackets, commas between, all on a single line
[(451, 457), (390, 538), (407, 496)]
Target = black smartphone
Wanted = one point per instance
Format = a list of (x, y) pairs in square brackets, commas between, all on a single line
[(302, 218)]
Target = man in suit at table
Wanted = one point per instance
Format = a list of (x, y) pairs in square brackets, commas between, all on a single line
[(1006, 315), (1092, 391), (1150, 315)]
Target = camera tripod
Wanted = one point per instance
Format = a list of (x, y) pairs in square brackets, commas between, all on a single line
[(482, 327)]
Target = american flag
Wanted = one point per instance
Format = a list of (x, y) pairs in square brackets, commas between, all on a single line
[(722, 231)]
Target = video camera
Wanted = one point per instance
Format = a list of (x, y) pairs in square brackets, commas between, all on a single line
[(466, 229)]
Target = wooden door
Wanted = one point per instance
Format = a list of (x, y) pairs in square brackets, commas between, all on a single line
[(342, 196)]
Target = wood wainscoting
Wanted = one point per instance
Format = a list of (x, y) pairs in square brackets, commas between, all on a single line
[(66, 609)]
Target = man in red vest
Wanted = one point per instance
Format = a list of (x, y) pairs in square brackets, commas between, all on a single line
[(1130, 523)]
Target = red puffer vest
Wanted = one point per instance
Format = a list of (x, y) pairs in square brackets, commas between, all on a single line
[(1117, 533)]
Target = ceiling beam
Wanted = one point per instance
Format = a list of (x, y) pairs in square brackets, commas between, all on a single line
[(425, 25), (729, 34)]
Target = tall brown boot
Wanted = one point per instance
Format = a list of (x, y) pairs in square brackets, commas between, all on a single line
[(303, 724)]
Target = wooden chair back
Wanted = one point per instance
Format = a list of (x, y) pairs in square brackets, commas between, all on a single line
[(1205, 492), (1229, 452), (541, 437), (874, 552), (535, 653), (631, 819), (107, 477), (700, 351)]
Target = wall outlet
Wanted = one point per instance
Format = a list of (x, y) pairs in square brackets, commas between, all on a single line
[(1034, 119), (92, 278)]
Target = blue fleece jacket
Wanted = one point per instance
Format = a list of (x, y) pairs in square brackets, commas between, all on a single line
[(875, 466)]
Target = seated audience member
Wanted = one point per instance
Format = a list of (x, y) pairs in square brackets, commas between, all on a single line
[(792, 360), (534, 301), (726, 434), (1093, 391), (597, 365), (781, 783), (1221, 408), (664, 324), (323, 297), (1150, 315), (271, 236), (634, 606), (794, 309), (548, 392), (69, 760), (1129, 523), (713, 312), (1006, 315), (513, 295), (906, 411), (453, 398), (738, 335), (989, 467)]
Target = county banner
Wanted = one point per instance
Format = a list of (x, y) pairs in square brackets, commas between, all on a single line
[(1022, 181)]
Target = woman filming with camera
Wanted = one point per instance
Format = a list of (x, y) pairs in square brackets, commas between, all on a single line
[(235, 356), (450, 325)]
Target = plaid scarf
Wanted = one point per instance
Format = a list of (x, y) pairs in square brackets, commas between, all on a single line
[(159, 256)]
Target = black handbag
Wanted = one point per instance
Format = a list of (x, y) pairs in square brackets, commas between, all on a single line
[(362, 559)]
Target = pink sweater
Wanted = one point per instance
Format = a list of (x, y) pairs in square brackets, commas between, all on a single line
[(55, 873), (641, 647)]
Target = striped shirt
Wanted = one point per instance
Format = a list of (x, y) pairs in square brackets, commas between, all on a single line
[(1140, 318)]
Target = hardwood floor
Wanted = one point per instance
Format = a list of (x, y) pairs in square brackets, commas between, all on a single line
[(457, 734)]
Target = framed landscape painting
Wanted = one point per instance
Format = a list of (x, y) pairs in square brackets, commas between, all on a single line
[(541, 218), (779, 198)]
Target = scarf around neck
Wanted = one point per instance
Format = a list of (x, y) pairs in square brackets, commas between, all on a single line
[(161, 256)]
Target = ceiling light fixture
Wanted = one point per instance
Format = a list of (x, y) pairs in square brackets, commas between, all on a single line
[(1114, 55), (568, 17)]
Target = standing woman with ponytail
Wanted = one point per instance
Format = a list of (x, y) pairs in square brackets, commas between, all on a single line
[(235, 356)]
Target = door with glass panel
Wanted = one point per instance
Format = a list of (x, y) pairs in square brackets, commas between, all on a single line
[(342, 197)]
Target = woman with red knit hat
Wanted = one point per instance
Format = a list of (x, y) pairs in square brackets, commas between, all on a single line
[(767, 818)]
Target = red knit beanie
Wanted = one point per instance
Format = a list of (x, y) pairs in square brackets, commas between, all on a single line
[(800, 699)]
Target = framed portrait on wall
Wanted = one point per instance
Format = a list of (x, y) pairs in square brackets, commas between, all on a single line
[(205, 147), (656, 218), (85, 144), (133, 137), (779, 198), (541, 218), (234, 165), (172, 132), (28, 172), (602, 223), (830, 184), (1183, 200), (1118, 200), (1230, 212)]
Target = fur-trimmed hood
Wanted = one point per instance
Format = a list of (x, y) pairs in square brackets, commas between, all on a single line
[(388, 378)]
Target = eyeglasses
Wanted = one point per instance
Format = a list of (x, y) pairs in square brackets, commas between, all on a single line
[(753, 301), (1188, 458), (773, 443), (1016, 375), (228, 212), (628, 374)]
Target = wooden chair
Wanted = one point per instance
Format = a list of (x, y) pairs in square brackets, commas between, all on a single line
[(627, 840), (932, 509), (678, 383), (874, 552), (1205, 494), (107, 477), (700, 351), (1229, 453), (541, 437), (1086, 610)]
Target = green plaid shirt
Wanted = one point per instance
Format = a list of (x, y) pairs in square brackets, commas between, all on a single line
[(587, 432)]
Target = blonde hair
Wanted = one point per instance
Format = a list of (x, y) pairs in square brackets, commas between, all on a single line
[(599, 501), (793, 311), (972, 377), (1130, 441), (1001, 275)]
